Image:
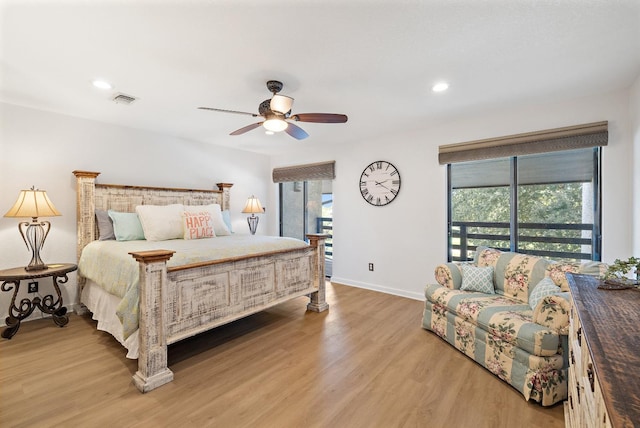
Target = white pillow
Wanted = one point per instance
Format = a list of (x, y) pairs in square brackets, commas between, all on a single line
[(161, 222), (219, 228)]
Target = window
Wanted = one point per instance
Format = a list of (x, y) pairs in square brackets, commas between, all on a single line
[(307, 207), (540, 194), (546, 204)]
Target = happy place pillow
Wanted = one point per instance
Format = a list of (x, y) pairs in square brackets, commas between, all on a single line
[(219, 227), (197, 224), (476, 278), (161, 222)]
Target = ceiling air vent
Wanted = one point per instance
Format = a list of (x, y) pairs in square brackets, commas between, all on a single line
[(124, 99)]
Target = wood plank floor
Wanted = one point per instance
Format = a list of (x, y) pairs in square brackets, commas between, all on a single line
[(365, 363)]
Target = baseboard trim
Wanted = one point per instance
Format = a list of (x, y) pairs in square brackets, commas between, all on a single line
[(379, 288)]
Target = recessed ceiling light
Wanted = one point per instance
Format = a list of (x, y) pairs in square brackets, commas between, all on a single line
[(440, 87), (102, 84)]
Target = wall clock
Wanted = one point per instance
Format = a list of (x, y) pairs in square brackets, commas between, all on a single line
[(380, 183)]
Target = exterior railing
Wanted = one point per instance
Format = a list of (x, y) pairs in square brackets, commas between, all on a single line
[(467, 236), (325, 225)]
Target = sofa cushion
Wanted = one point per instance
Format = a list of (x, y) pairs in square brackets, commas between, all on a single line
[(477, 278), (516, 274), (557, 271), (505, 318)]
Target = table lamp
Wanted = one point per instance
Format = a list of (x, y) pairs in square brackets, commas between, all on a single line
[(33, 203), (253, 207)]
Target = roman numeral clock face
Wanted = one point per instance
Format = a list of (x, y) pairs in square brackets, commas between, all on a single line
[(380, 183)]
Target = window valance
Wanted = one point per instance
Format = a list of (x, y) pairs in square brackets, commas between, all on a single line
[(551, 140), (312, 171)]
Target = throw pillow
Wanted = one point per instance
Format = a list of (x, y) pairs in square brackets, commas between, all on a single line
[(197, 225), (226, 216), (126, 226), (161, 222), (105, 226), (477, 278), (219, 228), (544, 288)]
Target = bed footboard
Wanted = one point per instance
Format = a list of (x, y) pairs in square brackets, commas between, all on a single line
[(182, 301)]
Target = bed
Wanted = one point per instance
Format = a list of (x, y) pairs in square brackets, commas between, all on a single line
[(182, 295)]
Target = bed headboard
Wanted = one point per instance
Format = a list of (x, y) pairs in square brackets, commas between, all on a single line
[(91, 196)]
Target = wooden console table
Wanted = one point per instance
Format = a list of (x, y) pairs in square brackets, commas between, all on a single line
[(11, 279), (604, 357)]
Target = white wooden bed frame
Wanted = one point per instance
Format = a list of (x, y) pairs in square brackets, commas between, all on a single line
[(179, 302)]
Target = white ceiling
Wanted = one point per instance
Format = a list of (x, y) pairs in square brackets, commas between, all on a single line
[(372, 60)]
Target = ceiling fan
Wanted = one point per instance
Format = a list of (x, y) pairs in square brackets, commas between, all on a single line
[(277, 115)]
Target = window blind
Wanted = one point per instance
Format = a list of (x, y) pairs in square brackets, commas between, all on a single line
[(312, 171), (571, 166), (552, 140)]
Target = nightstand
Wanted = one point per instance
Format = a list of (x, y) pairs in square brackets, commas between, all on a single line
[(11, 278)]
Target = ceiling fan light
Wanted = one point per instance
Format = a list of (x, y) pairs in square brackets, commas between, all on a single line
[(275, 125), (281, 103)]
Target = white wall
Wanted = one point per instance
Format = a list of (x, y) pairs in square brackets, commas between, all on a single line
[(407, 238), (41, 149), (634, 112)]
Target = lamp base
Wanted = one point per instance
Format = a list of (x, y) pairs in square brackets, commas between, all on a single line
[(253, 223), (34, 234), (33, 267)]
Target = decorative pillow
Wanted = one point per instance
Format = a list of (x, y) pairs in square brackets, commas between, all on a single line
[(161, 222), (219, 228), (477, 278), (105, 226), (486, 256), (544, 288), (197, 225), (556, 271), (226, 216), (126, 226)]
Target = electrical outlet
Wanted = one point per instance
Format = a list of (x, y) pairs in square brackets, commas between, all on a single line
[(33, 287), (371, 267)]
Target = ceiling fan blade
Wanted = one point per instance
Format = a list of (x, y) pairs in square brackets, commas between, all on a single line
[(320, 117), (295, 131), (229, 111), (246, 128)]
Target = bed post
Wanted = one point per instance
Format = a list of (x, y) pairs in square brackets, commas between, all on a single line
[(318, 301), (85, 216), (152, 357), (85, 208), (225, 204)]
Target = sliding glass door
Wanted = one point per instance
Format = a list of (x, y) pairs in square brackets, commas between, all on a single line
[(307, 207)]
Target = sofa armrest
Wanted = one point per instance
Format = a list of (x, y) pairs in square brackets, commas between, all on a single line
[(449, 275), (553, 312)]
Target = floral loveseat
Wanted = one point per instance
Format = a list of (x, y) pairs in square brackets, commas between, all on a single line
[(510, 313)]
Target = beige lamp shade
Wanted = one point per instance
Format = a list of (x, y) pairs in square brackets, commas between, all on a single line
[(253, 206), (33, 203)]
